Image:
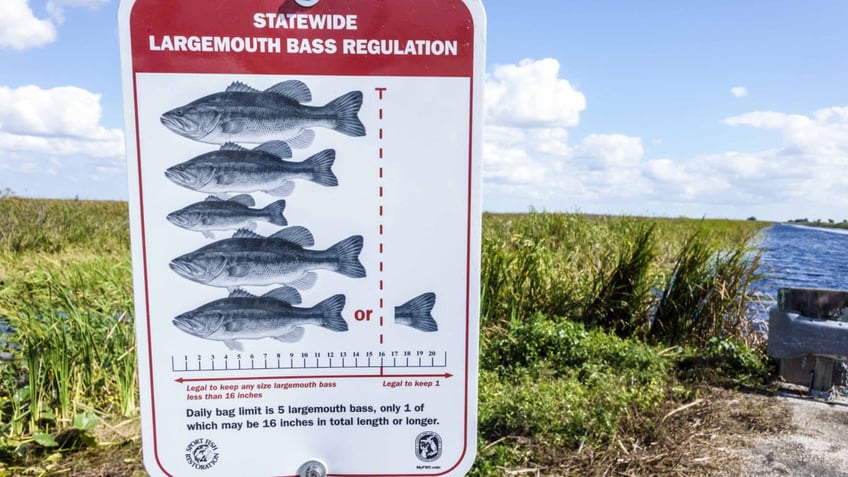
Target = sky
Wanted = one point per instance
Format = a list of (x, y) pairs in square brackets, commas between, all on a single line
[(718, 109)]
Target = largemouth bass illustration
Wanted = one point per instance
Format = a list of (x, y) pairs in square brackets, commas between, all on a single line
[(251, 259), (245, 114), (243, 316), (417, 313), (217, 214), (234, 168)]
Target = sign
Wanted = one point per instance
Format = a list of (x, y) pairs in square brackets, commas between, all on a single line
[(305, 212)]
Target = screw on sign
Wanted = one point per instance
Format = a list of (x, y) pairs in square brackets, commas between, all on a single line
[(305, 207)]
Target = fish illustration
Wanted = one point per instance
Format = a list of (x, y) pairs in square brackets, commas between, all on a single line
[(235, 213), (234, 168), (243, 316), (251, 259), (245, 114), (416, 313)]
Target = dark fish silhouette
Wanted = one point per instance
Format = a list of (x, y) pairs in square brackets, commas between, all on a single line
[(217, 214), (236, 169), (243, 316), (245, 114), (251, 259)]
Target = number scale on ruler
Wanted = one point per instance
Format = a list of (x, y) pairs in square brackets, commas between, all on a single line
[(266, 361)]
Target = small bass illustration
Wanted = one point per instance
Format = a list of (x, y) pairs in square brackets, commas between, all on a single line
[(236, 169), (243, 316), (245, 114), (251, 259), (233, 214)]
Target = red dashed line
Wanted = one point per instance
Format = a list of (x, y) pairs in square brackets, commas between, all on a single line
[(380, 155)]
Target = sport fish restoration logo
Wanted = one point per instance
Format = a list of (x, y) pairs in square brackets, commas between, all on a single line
[(201, 454), (428, 446)]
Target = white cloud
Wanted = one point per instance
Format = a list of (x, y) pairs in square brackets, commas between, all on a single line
[(825, 132), (58, 121), (529, 157), (531, 94), (20, 29), (56, 8), (739, 91)]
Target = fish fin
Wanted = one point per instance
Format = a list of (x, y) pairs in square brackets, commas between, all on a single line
[(321, 165), (234, 345), (275, 148), (284, 190), (231, 289), (244, 233), (239, 87), (348, 252), (293, 336), (286, 294), (208, 234), (241, 293), (275, 210), (231, 146), (294, 89), (297, 235), (251, 227), (306, 281), (417, 313), (212, 198), (331, 313), (302, 140), (243, 199), (346, 108), (222, 195)]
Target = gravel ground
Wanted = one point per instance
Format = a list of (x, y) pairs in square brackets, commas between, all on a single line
[(816, 445)]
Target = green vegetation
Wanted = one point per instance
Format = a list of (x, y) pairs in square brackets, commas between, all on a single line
[(65, 290), (589, 325), (588, 322)]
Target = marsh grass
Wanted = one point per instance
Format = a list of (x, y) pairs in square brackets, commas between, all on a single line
[(66, 294), (576, 314)]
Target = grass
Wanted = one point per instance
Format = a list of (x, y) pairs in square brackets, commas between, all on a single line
[(587, 325)]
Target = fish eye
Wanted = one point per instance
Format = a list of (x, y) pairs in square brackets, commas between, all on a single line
[(179, 113)]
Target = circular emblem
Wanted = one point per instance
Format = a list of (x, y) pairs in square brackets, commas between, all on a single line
[(201, 454), (428, 446), (306, 3)]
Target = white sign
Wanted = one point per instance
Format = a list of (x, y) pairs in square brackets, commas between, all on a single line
[(305, 212)]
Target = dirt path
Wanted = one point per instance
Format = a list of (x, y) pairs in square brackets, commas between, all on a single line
[(815, 445)]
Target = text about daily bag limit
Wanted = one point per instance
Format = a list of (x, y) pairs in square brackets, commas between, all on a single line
[(336, 415)]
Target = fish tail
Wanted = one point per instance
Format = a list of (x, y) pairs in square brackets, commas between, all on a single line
[(347, 252), (417, 313), (274, 210), (331, 312), (346, 107), (321, 165)]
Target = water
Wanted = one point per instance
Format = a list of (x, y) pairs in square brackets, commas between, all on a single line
[(804, 257)]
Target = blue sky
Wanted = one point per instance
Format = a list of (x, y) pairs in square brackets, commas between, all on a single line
[(706, 108)]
